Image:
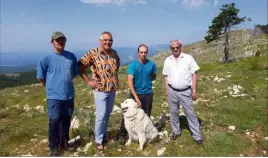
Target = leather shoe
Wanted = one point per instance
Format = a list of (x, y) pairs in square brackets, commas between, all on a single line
[(54, 152), (199, 142), (68, 147), (174, 136)]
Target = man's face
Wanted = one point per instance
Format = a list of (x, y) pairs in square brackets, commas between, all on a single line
[(175, 48), (106, 41), (59, 43), (143, 52)]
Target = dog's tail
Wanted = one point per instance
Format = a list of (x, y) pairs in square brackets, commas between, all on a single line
[(162, 121)]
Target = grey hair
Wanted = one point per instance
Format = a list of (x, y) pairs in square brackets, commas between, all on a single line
[(105, 32), (172, 41)]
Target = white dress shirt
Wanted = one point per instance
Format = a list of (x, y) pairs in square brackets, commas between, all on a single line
[(179, 71)]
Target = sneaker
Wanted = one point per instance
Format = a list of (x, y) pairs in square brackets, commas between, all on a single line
[(54, 152)]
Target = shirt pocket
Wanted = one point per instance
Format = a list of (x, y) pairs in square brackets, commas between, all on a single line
[(184, 69)]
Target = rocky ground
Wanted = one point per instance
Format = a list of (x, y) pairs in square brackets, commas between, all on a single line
[(231, 106)]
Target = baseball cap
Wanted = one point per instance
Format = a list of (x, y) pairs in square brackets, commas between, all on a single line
[(57, 35)]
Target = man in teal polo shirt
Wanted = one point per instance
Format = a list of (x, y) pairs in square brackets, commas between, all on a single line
[(141, 73)]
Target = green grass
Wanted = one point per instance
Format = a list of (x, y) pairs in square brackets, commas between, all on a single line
[(217, 114)]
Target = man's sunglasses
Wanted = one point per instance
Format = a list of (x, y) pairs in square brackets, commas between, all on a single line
[(110, 40), (175, 47), (62, 39)]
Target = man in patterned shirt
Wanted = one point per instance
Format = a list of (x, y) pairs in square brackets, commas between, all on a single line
[(104, 63)]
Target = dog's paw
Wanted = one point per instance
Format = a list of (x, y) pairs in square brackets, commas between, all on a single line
[(140, 149), (128, 143)]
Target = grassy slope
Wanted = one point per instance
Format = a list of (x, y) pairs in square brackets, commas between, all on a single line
[(216, 114)]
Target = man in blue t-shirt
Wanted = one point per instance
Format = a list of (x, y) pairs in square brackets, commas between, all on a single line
[(56, 72), (141, 73)]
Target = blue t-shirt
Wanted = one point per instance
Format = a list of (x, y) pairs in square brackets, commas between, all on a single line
[(142, 75), (58, 70)]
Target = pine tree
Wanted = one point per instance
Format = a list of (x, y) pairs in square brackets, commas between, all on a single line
[(222, 24)]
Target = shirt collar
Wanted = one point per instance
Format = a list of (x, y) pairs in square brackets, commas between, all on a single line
[(181, 56), (102, 52)]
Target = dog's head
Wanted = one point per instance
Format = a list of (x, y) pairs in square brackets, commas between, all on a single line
[(129, 107)]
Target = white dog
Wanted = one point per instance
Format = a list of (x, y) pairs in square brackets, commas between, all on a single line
[(138, 124)]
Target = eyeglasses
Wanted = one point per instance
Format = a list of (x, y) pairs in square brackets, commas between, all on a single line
[(110, 40), (177, 47), (60, 40)]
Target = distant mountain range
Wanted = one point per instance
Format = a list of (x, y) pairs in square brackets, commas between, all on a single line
[(22, 62)]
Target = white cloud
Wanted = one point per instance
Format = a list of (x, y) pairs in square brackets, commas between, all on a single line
[(142, 2), (97, 1), (188, 4), (114, 2), (193, 4)]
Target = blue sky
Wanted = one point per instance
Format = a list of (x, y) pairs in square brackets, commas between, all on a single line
[(27, 25)]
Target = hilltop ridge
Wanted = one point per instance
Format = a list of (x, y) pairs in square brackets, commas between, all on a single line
[(243, 43)]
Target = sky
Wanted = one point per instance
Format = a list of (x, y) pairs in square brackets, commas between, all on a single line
[(27, 25)]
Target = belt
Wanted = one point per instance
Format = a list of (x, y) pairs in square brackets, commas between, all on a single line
[(179, 90)]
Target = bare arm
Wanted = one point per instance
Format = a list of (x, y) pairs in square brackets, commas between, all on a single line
[(85, 77), (42, 81), (194, 81), (166, 85), (132, 89), (82, 72), (131, 85), (194, 84)]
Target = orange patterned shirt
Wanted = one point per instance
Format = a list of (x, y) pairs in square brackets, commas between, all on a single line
[(104, 68)]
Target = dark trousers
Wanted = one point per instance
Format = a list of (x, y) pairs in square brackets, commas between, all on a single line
[(146, 105), (59, 115)]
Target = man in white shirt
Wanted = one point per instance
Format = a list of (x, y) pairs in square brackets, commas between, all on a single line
[(180, 73)]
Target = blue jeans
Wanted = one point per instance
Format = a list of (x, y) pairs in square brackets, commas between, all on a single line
[(104, 106), (59, 115)]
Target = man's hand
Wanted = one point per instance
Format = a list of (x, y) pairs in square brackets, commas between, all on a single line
[(194, 95), (138, 101), (42, 81), (93, 84)]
